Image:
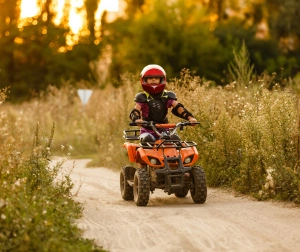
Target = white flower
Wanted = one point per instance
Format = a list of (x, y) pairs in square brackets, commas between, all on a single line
[(2, 203)]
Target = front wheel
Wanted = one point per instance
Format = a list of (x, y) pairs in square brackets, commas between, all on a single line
[(126, 174), (198, 185), (141, 187)]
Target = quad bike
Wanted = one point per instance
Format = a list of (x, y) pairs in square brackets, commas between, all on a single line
[(167, 164)]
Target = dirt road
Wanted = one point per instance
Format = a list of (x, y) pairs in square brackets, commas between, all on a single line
[(224, 223)]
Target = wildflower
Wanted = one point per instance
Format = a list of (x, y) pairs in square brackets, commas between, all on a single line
[(2, 203), (3, 217), (47, 223), (17, 183)]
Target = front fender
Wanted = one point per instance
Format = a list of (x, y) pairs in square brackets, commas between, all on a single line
[(131, 150)]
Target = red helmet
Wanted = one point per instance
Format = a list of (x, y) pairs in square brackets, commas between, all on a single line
[(153, 71)]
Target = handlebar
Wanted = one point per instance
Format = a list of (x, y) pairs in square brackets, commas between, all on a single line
[(162, 126), (156, 126)]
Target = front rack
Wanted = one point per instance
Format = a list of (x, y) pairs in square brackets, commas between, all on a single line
[(168, 144), (131, 134), (165, 144)]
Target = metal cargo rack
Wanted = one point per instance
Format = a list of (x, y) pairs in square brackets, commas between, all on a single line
[(131, 134), (167, 144)]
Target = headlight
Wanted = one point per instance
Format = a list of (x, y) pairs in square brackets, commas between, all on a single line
[(153, 161), (188, 160)]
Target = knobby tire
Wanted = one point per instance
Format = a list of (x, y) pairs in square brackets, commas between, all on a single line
[(199, 188), (141, 187), (126, 189)]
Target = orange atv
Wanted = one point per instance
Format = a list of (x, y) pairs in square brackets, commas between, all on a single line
[(165, 164)]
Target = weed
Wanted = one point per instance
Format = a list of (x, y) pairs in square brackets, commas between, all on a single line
[(37, 210)]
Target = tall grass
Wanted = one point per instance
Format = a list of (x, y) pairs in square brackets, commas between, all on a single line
[(248, 138), (37, 209)]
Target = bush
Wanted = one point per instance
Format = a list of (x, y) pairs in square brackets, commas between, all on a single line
[(37, 210)]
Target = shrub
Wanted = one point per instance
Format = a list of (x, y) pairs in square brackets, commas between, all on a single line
[(37, 210)]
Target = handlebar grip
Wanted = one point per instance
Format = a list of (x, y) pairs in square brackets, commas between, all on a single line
[(165, 126)]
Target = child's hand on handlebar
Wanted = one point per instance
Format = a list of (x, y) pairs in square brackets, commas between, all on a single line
[(192, 120), (139, 121)]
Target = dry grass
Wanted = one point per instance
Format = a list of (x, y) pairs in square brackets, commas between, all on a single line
[(248, 139), (37, 210)]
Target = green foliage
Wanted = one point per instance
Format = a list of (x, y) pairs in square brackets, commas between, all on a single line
[(37, 55), (37, 209), (284, 20), (45, 65), (174, 35), (248, 139), (265, 55)]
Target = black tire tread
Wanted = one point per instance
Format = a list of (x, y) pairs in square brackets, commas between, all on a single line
[(199, 190), (142, 191), (126, 189)]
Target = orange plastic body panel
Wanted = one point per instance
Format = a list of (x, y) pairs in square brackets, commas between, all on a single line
[(143, 155), (138, 154), (131, 150)]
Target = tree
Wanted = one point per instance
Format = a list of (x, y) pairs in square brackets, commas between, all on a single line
[(9, 15), (172, 34), (38, 55), (91, 7), (284, 17), (134, 6)]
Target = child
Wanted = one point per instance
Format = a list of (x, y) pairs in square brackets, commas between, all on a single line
[(154, 102)]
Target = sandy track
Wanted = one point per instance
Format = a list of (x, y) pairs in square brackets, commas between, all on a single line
[(224, 223)]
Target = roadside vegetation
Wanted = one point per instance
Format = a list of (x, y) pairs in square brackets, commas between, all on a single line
[(37, 209), (248, 140)]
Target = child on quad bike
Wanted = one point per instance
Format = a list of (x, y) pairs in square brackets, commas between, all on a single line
[(153, 104)]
